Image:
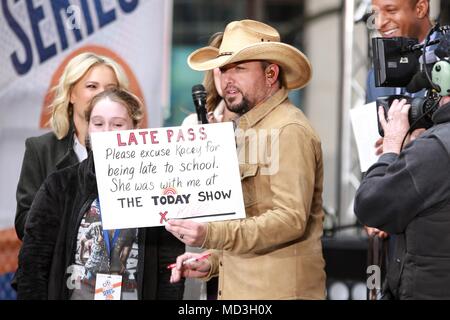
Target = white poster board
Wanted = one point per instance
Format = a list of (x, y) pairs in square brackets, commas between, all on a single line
[(365, 129), (147, 176)]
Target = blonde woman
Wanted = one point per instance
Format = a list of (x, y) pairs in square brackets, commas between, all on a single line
[(84, 76)]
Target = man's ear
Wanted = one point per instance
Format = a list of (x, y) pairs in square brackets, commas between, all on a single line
[(272, 72), (422, 8)]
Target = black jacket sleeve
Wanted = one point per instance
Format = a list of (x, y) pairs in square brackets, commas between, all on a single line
[(397, 188), (169, 248), (30, 180), (41, 230)]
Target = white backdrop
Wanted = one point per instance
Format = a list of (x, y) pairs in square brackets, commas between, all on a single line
[(41, 34)]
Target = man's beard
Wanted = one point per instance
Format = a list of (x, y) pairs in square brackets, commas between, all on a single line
[(240, 108)]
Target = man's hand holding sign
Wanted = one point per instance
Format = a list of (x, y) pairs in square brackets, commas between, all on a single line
[(151, 176)]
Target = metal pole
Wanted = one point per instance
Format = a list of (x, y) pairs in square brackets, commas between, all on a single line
[(344, 134)]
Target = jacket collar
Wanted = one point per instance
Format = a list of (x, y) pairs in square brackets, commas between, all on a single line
[(86, 175), (258, 112), (442, 114), (67, 156)]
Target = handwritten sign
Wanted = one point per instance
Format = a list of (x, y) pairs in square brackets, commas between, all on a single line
[(147, 176)]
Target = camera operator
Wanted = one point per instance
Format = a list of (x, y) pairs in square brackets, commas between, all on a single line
[(396, 18), (407, 193)]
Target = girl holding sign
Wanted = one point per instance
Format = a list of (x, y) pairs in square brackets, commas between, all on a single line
[(76, 258)]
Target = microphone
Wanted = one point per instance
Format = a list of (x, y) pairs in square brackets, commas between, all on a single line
[(199, 97)]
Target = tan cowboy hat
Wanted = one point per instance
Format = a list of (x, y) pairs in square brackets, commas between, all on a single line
[(252, 40)]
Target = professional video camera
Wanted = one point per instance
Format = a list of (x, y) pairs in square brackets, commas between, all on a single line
[(403, 62)]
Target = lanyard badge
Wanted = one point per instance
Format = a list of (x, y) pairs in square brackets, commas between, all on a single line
[(108, 287)]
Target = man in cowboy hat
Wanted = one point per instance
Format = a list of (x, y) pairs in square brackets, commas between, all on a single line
[(276, 252)]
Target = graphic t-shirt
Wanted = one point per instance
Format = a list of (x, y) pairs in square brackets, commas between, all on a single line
[(92, 257)]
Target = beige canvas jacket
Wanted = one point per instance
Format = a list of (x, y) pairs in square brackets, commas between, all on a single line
[(275, 253)]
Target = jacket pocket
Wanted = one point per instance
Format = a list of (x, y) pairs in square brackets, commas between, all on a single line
[(248, 180)]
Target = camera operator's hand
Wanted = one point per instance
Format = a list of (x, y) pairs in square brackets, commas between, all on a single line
[(396, 126), (413, 136), (376, 232), (379, 147)]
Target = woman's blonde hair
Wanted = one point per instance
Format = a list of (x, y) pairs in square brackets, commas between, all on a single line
[(132, 103), (212, 98), (62, 109)]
